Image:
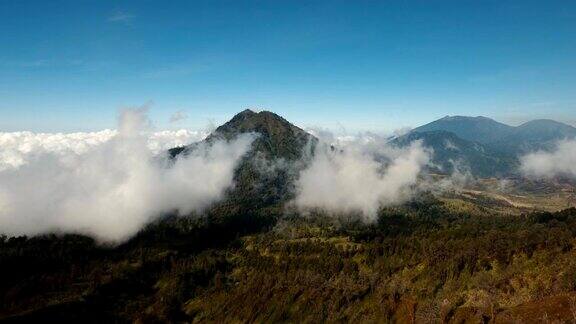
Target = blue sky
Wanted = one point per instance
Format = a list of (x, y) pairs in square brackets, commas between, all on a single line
[(354, 65)]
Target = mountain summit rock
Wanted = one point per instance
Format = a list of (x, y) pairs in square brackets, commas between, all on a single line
[(277, 138), (267, 172)]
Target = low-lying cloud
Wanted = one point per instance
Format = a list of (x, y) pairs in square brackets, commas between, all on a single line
[(17, 148), (559, 162), (360, 176), (108, 184)]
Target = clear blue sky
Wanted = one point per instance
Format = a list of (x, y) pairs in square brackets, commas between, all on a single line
[(361, 65)]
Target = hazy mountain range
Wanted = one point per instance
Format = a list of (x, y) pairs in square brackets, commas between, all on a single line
[(483, 146), (530, 136), (477, 145)]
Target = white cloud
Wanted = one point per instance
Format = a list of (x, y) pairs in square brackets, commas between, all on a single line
[(17, 148), (342, 139), (360, 176), (107, 184), (560, 161)]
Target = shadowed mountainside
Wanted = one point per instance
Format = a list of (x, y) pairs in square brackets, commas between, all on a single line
[(267, 172), (539, 134), (484, 147), (452, 153)]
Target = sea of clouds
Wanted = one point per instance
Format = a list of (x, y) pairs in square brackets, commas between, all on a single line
[(109, 184), (18, 148)]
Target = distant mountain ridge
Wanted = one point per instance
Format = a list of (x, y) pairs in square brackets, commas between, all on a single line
[(532, 135), (485, 147), (478, 145), (540, 134), (477, 129)]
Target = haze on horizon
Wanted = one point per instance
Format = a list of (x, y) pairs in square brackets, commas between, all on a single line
[(371, 66)]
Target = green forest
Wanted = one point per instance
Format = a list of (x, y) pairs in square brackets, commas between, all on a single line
[(424, 261)]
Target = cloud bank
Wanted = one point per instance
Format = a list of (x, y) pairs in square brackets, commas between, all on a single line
[(17, 148), (360, 176), (559, 162), (108, 184)]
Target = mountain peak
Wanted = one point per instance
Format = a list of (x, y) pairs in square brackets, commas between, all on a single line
[(278, 138), (462, 118), (544, 130), (243, 115), (264, 122), (533, 135), (542, 123), (477, 129)]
